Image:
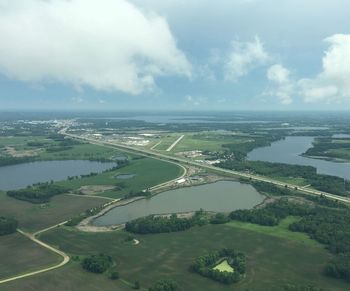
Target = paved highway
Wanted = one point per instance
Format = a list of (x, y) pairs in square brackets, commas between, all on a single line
[(184, 161)]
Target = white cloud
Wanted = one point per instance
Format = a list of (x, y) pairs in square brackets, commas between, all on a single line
[(107, 44), (279, 74), (244, 57), (196, 101), (333, 83), (283, 87)]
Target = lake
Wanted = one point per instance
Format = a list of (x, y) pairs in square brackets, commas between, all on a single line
[(22, 175), (289, 150), (222, 196)]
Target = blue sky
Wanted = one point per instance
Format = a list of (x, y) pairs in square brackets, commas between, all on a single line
[(175, 54)]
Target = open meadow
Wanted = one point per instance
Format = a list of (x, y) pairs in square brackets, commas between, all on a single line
[(272, 261)]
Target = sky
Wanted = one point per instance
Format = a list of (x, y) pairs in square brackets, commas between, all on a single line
[(174, 55)]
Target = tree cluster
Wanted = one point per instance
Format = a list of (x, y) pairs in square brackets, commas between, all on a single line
[(204, 265), (165, 285), (39, 193), (272, 214), (158, 224), (330, 227), (7, 225), (97, 263)]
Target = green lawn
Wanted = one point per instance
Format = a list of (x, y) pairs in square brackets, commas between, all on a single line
[(272, 260), (20, 255), (33, 217), (224, 267)]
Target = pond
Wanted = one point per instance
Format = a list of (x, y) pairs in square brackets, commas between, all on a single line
[(22, 175), (289, 150), (222, 196), (125, 176)]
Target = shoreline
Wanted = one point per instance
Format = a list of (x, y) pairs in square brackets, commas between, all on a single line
[(87, 226)]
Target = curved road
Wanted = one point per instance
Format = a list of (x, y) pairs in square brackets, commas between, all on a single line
[(39, 242)]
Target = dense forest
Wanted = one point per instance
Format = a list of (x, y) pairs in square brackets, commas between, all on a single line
[(330, 226), (7, 225), (326, 222), (39, 193)]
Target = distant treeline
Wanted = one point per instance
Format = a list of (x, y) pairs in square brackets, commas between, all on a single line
[(323, 145), (7, 225), (40, 193), (7, 161), (332, 184)]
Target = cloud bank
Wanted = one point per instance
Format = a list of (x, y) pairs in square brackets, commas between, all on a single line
[(284, 87), (332, 84), (107, 45), (244, 57)]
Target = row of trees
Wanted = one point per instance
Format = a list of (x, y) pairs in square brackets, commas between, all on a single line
[(7, 225), (39, 193), (204, 265), (158, 224)]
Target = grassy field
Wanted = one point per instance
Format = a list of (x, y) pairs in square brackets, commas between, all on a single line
[(224, 267), (340, 153), (20, 255), (210, 141), (280, 230), (70, 278), (148, 172), (272, 259), (167, 141), (33, 217), (82, 151), (206, 141)]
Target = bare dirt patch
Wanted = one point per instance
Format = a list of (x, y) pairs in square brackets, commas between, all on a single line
[(94, 189)]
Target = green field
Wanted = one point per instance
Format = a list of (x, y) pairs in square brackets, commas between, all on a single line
[(206, 141), (70, 278), (272, 260), (82, 151), (33, 217), (20, 255), (148, 172), (166, 141), (224, 267), (280, 230), (210, 141)]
